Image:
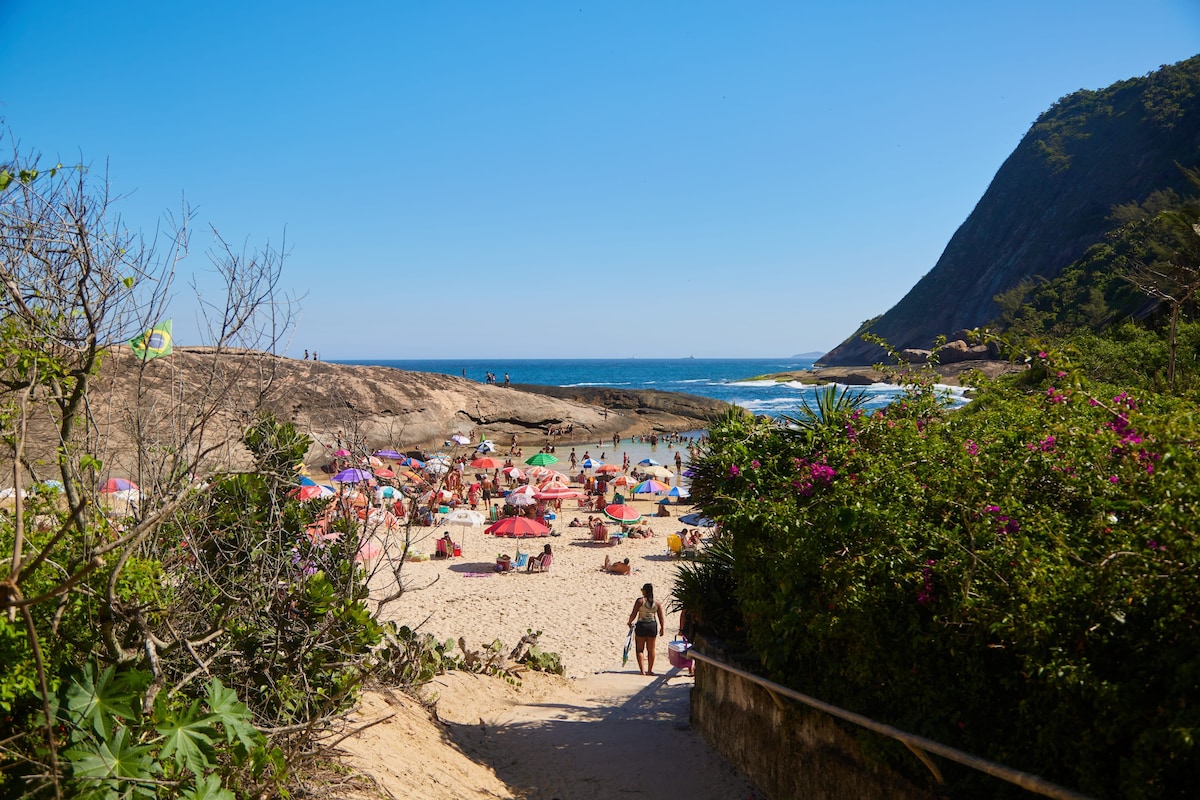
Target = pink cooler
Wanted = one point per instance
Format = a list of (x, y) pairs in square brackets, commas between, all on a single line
[(677, 653)]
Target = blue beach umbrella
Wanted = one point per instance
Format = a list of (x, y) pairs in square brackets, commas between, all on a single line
[(649, 462), (591, 463), (697, 520), (678, 491), (307, 481)]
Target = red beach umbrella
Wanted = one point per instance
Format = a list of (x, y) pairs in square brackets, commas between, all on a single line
[(626, 515), (517, 526), (384, 473), (487, 462), (609, 468)]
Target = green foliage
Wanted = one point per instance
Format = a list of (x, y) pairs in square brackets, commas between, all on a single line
[(113, 751), (1017, 578)]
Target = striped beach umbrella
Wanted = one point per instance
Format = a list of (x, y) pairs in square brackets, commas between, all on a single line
[(619, 512)]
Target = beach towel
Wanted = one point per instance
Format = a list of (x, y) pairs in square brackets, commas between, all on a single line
[(628, 647)]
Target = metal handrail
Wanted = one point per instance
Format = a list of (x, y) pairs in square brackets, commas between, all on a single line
[(918, 744)]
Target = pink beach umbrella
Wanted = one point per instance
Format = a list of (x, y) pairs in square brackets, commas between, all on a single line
[(557, 492), (517, 526), (341, 453), (513, 473)]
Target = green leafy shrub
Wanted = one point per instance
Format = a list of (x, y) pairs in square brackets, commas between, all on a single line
[(1018, 578)]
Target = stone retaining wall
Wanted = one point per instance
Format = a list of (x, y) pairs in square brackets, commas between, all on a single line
[(785, 748)]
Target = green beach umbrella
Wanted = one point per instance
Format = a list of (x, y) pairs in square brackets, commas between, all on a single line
[(541, 459)]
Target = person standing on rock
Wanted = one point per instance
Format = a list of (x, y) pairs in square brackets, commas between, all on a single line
[(646, 628)]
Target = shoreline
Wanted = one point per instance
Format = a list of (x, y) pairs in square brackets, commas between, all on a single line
[(951, 374)]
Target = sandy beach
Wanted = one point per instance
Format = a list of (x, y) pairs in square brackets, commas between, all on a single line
[(581, 610), (600, 731)]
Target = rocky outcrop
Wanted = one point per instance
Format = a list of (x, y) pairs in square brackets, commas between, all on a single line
[(1049, 202), (197, 399)]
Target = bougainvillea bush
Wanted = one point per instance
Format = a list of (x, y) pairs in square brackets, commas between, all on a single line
[(1017, 578)]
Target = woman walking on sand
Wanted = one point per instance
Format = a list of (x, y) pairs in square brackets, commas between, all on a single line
[(646, 628)]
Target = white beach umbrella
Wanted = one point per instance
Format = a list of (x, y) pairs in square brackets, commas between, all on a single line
[(458, 438), (465, 516)]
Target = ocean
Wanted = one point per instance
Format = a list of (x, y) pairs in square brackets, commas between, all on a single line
[(727, 379)]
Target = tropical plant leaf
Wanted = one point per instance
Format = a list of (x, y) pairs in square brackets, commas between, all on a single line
[(225, 708), (95, 701), (188, 737), (208, 788), (112, 761)]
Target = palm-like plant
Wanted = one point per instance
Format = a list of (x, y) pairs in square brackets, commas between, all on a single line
[(829, 407)]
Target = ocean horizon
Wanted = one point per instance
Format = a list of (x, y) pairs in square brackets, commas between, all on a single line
[(727, 379)]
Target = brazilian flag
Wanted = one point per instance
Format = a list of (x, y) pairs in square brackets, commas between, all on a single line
[(153, 343)]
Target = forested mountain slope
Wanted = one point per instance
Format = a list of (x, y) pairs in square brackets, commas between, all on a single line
[(1049, 202)]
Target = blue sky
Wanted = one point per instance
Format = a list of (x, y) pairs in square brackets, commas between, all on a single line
[(491, 180)]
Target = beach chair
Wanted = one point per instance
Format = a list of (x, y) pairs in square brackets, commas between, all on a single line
[(543, 565), (675, 544), (520, 560)]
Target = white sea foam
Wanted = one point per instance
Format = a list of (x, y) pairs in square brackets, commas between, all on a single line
[(752, 383), (601, 383)]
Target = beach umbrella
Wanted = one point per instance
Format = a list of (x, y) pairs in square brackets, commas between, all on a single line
[(465, 516), (625, 480), (368, 550), (458, 438), (517, 526), (352, 476), (9, 492), (117, 485), (540, 473), (550, 475), (513, 473), (658, 472), (628, 647), (651, 487), (678, 491), (415, 463), (370, 461), (440, 495), (341, 453), (541, 459), (591, 463), (307, 481), (557, 492), (412, 476), (387, 491), (306, 493), (436, 467), (391, 455), (487, 462), (697, 520), (626, 515), (485, 446), (649, 462), (384, 473), (689, 473), (610, 469)]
